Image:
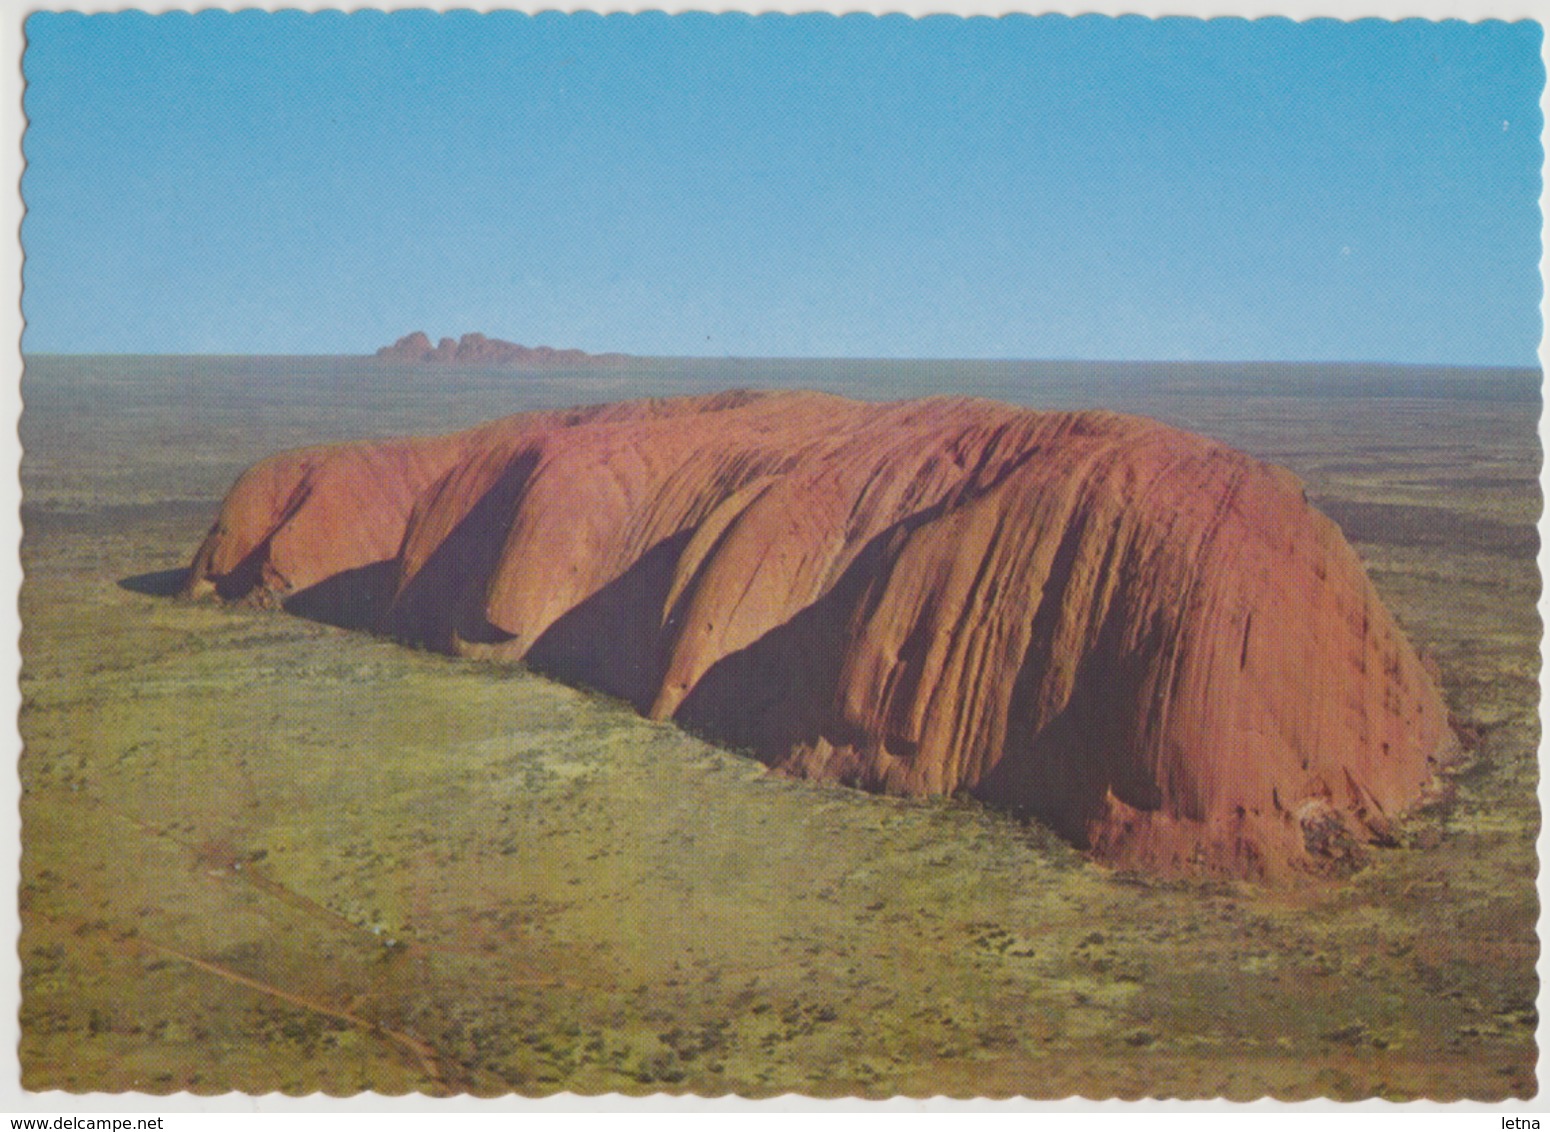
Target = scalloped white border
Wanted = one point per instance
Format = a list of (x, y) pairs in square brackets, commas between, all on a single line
[(657, 1110), (1472, 10)]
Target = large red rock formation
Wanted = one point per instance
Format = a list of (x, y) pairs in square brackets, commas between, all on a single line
[(1146, 639)]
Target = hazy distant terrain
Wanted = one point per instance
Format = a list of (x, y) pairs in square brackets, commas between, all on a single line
[(261, 853)]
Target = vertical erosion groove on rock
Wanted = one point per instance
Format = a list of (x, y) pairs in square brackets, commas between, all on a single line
[(1143, 638)]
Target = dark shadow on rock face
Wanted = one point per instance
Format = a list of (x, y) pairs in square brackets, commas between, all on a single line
[(351, 599), (1059, 768), (777, 694), (158, 583), (246, 577), (612, 641), (445, 598)]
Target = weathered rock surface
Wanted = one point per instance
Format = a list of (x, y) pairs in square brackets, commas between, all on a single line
[(476, 349), (1141, 637)]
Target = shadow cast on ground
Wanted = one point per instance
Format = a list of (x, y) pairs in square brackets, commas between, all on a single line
[(158, 583)]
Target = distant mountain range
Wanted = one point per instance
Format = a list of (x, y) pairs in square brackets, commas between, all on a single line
[(476, 349)]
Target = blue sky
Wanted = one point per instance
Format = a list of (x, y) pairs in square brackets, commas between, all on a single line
[(810, 185)]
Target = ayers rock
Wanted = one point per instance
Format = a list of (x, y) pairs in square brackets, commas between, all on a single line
[(1143, 638)]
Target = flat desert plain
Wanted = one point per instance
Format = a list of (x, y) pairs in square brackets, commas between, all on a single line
[(263, 853)]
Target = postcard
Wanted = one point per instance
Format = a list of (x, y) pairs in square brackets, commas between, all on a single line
[(791, 554)]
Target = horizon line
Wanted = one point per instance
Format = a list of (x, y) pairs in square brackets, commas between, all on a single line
[(608, 354)]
